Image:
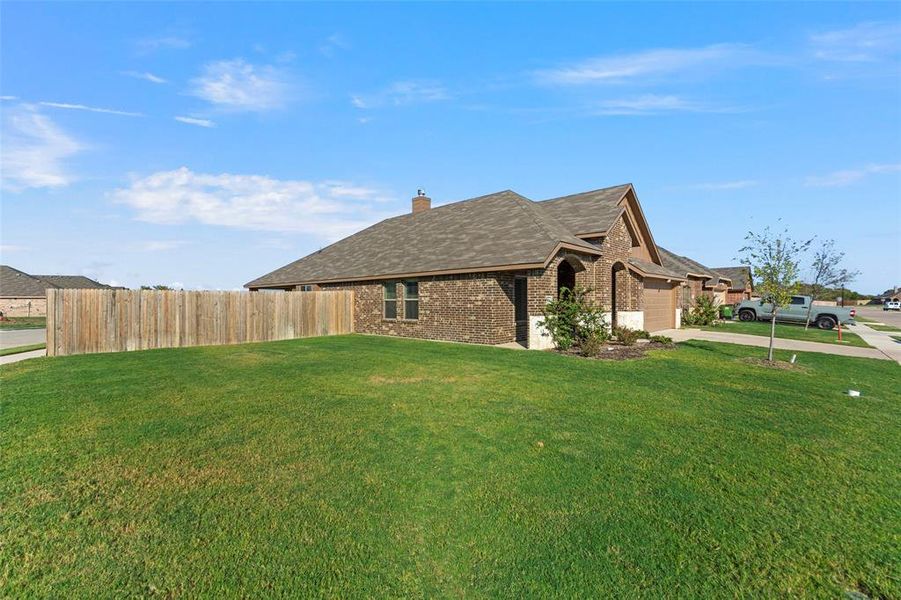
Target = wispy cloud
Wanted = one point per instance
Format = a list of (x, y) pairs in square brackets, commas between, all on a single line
[(401, 93), (723, 185), (109, 111), (652, 104), (163, 42), (849, 176), (328, 209), (654, 63), (34, 150), (146, 76), (195, 121), (241, 86), (5, 98), (13, 248), (333, 44), (865, 42)]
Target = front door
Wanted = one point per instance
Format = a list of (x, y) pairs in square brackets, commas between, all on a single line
[(521, 308)]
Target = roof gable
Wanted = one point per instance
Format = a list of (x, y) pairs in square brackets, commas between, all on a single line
[(740, 276)]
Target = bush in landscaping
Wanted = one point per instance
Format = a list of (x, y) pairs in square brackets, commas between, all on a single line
[(573, 318), (626, 336), (662, 339), (593, 345), (704, 312)]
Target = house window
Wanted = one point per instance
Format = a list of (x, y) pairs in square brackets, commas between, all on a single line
[(390, 295), (306, 288), (411, 299), (520, 299)]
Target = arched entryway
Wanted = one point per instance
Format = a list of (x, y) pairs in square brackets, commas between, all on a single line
[(614, 306), (566, 277)]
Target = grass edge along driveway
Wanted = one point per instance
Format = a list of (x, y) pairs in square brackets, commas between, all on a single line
[(790, 331), (368, 466), (20, 349)]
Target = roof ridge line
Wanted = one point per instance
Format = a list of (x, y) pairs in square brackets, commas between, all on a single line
[(521, 200)]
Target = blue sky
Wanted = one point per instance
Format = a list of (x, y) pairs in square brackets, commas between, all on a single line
[(203, 145)]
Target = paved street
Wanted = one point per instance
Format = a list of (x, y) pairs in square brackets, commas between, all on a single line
[(889, 317), (21, 337)]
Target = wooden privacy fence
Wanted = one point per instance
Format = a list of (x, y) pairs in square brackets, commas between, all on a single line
[(86, 321)]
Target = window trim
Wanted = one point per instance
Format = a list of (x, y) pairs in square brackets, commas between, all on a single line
[(408, 299), (392, 285)]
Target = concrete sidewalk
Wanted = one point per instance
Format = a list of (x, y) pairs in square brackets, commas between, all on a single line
[(682, 335), (11, 358), (879, 339)]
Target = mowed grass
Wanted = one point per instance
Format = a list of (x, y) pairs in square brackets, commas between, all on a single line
[(369, 467), (883, 327), (20, 349), (24, 323), (791, 332)]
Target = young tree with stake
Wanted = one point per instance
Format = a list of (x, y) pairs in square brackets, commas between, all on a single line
[(774, 260), (826, 272)]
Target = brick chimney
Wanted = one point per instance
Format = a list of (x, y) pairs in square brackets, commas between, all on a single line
[(421, 202)]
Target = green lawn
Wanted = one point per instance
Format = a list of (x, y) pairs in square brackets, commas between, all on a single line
[(20, 349), (791, 332), (890, 328), (24, 323), (362, 466)]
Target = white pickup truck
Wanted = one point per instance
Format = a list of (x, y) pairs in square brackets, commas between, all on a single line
[(825, 317)]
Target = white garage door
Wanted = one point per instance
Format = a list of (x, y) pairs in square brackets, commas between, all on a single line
[(659, 308)]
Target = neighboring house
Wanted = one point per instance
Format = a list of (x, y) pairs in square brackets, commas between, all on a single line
[(25, 295), (699, 280), (890, 294), (742, 286), (482, 270)]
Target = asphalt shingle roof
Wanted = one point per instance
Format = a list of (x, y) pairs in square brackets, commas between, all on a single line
[(17, 284), (685, 266), (740, 276), (73, 282), (589, 212), (655, 269), (496, 230)]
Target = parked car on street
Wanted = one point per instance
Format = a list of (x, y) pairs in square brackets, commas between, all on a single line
[(892, 305), (824, 317)]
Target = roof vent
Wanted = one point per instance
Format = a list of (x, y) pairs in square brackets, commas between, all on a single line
[(421, 202)]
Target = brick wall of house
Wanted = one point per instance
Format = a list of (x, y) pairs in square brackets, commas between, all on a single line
[(478, 307), (597, 276), (24, 307), (473, 307)]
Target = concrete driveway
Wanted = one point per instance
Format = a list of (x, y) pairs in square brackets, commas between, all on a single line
[(10, 338)]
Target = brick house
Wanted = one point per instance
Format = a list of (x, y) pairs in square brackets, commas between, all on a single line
[(481, 270), (742, 286), (24, 295), (699, 280)]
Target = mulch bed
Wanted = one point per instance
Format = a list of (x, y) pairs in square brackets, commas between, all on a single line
[(616, 351), (779, 365)]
